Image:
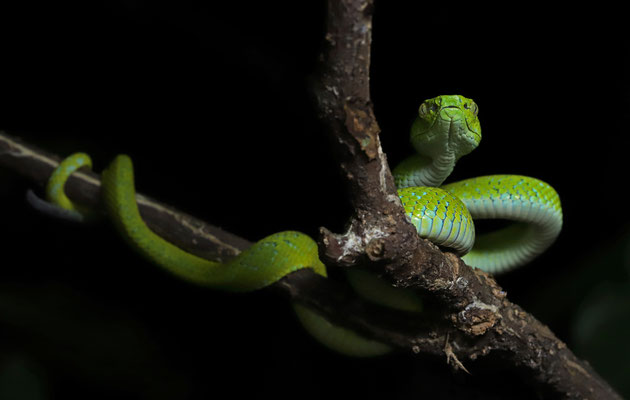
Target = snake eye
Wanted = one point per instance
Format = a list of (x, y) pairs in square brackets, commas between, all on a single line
[(426, 108), (472, 107)]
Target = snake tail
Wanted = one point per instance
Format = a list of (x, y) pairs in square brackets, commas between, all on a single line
[(262, 264), (55, 192)]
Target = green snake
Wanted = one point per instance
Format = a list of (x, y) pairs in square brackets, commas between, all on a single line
[(447, 128)]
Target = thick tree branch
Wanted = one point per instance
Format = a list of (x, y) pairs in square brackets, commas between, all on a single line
[(475, 317), (380, 234)]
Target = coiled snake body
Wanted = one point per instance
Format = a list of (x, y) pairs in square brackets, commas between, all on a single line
[(446, 129)]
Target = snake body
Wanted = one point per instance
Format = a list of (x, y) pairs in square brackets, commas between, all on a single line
[(446, 129)]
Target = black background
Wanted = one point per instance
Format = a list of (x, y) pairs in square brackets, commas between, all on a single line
[(212, 102)]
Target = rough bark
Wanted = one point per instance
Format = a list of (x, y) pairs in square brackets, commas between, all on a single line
[(475, 318)]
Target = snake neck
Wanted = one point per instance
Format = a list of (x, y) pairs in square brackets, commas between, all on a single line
[(437, 170)]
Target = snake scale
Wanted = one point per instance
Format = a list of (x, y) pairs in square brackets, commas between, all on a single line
[(446, 129)]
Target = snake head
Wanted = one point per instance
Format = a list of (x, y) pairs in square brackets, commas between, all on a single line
[(446, 125)]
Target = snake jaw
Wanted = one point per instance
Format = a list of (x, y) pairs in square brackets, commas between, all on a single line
[(446, 125)]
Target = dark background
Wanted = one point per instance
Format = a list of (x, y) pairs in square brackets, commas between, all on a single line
[(212, 102)]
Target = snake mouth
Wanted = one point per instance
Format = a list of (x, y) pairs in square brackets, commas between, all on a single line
[(451, 113)]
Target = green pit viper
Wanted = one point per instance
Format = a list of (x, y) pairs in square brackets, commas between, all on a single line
[(447, 128)]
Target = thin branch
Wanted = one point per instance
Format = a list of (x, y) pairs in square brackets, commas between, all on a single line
[(333, 299), (84, 187)]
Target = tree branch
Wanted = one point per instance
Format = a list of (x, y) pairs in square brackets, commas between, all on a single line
[(475, 320), (380, 234)]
